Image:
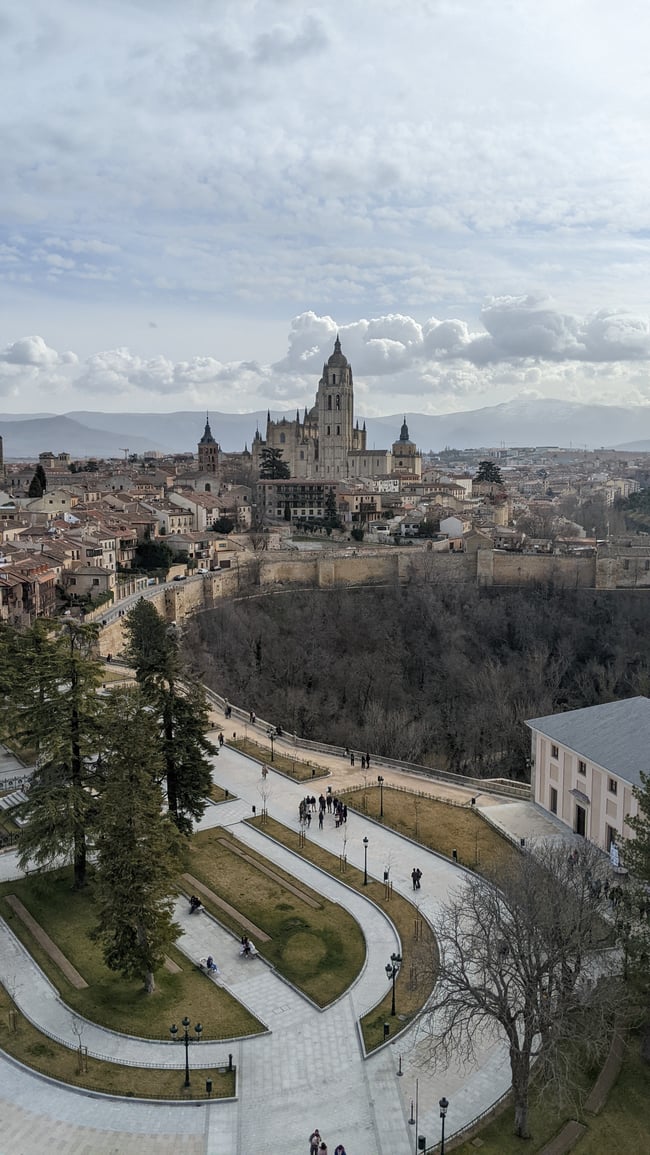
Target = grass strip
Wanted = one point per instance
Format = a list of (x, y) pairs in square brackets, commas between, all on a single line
[(68, 917), (293, 767), (440, 826), (30, 1046), (419, 951), (317, 946)]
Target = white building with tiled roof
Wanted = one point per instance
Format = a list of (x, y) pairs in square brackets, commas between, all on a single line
[(585, 764)]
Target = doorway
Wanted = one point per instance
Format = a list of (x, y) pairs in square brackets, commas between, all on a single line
[(581, 821)]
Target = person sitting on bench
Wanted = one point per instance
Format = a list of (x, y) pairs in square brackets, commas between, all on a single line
[(211, 965), (195, 904)]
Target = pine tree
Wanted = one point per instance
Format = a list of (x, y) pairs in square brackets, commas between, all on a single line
[(489, 472), (637, 849), (180, 706), (331, 519), (57, 711), (42, 477), (272, 467), (138, 847), (35, 487)]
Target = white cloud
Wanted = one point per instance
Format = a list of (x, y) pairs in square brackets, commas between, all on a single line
[(34, 351)]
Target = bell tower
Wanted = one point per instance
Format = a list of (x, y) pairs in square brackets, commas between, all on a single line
[(208, 451), (335, 406)]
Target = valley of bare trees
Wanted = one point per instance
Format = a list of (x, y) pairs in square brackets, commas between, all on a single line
[(439, 674)]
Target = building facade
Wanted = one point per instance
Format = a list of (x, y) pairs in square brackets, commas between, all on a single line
[(586, 763)]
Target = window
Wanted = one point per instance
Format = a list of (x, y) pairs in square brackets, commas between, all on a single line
[(329, 401), (554, 752), (626, 563), (302, 455), (612, 786), (333, 378), (582, 767), (553, 800), (338, 430), (338, 400), (328, 430), (282, 439), (95, 581), (611, 837)]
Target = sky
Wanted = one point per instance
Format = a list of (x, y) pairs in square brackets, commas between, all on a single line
[(196, 197)]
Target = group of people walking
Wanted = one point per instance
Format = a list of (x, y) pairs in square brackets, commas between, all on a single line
[(416, 876), (318, 1146), (327, 804)]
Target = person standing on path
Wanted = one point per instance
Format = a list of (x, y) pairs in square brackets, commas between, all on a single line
[(314, 1142), (320, 819), (418, 877), (352, 759), (414, 878)]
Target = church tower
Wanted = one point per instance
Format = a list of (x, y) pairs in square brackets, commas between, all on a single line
[(335, 406), (208, 451)]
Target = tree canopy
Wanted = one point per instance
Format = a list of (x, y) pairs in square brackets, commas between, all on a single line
[(514, 959), (138, 846), (489, 472), (272, 466), (179, 704), (54, 710), (152, 554)]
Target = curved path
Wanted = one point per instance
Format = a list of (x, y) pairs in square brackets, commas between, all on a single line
[(308, 1070)]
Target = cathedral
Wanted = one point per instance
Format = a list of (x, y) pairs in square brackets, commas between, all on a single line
[(327, 444)]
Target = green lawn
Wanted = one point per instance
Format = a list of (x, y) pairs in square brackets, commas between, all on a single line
[(294, 767), (68, 917), (440, 826), (419, 966), (29, 1046), (623, 1126), (321, 950)]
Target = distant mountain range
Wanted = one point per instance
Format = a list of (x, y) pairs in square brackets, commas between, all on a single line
[(534, 422)]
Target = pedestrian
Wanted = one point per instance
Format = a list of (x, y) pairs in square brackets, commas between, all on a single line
[(265, 771), (367, 761), (314, 1142), (322, 1150), (252, 717), (329, 800), (363, 761), (414, 878), (221, 737), (344, 812), (308, 817), (340, 1150), (418, 877), (320, 819), (352, 759)]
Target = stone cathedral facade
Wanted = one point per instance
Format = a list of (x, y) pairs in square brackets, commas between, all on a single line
[(327, 444)]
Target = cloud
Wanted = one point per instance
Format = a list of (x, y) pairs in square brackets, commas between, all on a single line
[(516, 329), (34, 352)]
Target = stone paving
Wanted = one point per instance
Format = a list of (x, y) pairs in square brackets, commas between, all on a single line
[(308, 1068)]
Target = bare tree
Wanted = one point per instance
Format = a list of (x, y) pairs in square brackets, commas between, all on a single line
[(524, 956)]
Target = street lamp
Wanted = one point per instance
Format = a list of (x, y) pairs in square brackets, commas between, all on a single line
[(381, 795), (365, 862), (443, 1104), (271, 734), (392, 970), (185, 1038)]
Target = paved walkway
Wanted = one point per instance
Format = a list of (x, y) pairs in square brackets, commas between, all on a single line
[(308, 1069)]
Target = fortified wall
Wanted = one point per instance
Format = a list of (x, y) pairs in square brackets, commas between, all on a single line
[(612, 569), (496, 568)]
